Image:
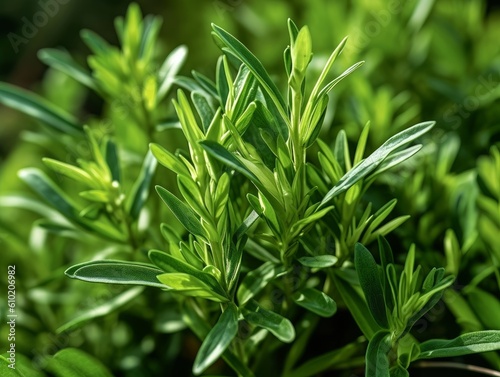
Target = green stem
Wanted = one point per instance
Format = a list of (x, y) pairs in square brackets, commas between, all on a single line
[(295, 138), (452, 365), (218, 256)]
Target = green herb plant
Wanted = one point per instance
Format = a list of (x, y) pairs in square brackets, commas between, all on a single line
[(243, 246)]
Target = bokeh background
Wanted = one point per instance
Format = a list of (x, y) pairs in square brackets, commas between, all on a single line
[(425, 60)]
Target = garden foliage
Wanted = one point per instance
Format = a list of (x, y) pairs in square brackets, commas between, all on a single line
[(227, 206)]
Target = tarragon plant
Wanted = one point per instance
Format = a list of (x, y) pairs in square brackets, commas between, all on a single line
[(262, 237)]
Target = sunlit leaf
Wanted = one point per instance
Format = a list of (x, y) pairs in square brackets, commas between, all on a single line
[(357, 306), (278, 325), (256, 280), (169, 70), (140, 191), (474, 342), (318, 261), (39, 108), (116, 272), (217, 340), (62, 60), (189, 285), (369, 164), (102, 310), (236, 48), (182, 212), (315, 301), (72, 362), (377, 361), (369, 278), (170, 264)]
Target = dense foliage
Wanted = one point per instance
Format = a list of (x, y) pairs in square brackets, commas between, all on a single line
[(339, 214)]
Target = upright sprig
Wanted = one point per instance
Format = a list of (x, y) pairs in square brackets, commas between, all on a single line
[(397, 301), (284, 198)]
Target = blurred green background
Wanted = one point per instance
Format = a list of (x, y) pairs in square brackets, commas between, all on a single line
[(438, 52), (425, 60)]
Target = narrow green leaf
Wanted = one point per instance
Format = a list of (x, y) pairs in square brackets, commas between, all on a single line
[(23, 367), (386, 258), (293, 30), (224, 82), (98, 196), (39, 108), (388, 227), (408, 350), (244, 120), (233, 264), (205, 83), (111, 156), (182, 212), (340, 151), (369, 164), (191, 193), (205, 111), (102, 310), (95, 42), (462, 311), (170, 264), (287, 60), (62, 61), (39, 182), (301, 51), (223, 155), (396, 158), (264, 181), (276, 324), (116, 272), (217, 340), (377, 219), (72, 362), (324, 362), (256, 280), (317, 117), (310, 219), (356, 305), (247, 223), (399, 371), (6, 370), (333, 56), (245, 88), (168, 124), (236, 48), (315, 301), (169, 69), (385, 251), (432, 301), (318, 261), (362, 140), (466, 344), (140, 191), (369, 278), (189, 285), (199, 326), (69, 171), (169, 160), (190, 127), (377, 362), (149, 38), (339, 78), (24, 202), (486, 306)]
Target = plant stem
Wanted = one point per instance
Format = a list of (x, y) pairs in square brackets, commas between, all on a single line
[(296, 142), (453, 365)]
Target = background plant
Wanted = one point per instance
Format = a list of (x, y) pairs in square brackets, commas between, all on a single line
[(441, 198)]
